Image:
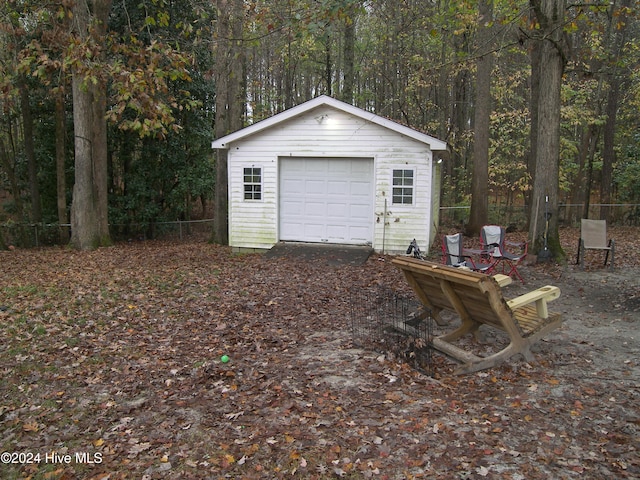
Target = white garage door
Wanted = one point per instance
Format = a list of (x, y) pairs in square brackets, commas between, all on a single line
[(326, 200)]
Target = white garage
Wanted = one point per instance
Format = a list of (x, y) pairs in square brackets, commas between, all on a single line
[(326, 200), (327, 172)]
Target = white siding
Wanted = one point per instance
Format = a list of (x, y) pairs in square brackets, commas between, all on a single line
[(328, 132)]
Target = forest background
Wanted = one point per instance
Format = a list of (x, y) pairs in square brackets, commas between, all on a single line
[(108, 108)]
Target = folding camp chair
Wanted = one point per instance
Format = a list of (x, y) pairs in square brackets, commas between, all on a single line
[(593, 236), (494, 245), (453, 254)]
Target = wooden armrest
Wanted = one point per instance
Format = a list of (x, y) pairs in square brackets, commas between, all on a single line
[(503, 280), (540, 296)]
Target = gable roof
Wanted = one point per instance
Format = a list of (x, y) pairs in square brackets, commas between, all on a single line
[(324, 100)]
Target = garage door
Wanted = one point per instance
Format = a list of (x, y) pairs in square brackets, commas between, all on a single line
[(326, 200)]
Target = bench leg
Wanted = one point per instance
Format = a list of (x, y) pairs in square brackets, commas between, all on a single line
[(467, 326), (438, 319), (578, 255), (495, 359), (528, 356)]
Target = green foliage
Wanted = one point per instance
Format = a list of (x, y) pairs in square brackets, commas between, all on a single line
[(158, 178), (627, 172), (157, 60)]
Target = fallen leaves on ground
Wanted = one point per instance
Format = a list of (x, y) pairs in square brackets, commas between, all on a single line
[(112, 357)]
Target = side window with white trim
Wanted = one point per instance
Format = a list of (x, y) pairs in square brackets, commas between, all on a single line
[(403, 185), (253, 183)]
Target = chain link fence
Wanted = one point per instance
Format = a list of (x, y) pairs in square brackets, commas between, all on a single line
[(627, 214), (28, 235)]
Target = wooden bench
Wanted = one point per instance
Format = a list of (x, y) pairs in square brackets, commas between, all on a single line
[(477, 299)]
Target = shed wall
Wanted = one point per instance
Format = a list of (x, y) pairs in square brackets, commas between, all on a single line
[(327, 132)]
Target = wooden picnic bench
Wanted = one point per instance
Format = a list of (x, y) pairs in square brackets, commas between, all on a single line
[(478, 300)]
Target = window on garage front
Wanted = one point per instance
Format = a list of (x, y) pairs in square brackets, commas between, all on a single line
[(253, 183), (402, 192)]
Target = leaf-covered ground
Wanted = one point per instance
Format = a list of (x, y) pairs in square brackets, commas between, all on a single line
[(110, 364)]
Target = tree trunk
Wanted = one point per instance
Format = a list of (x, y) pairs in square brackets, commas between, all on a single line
[(479, 214), (349, 57), (229, 103), (84, 208), (608, 153), (223, 51), (101, 10), (617, 40), (61, 181), (533, 133), (461, 115), (29, 151), (8, 164), (578, 196), (221, 207), (591, 157), (328, 69), (237, 87), (550, 15), (89, 208)]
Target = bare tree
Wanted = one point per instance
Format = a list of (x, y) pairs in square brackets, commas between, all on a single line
[(349, 55), (230, 86), (616, 37), (61, 181), (479, 214), (550, 17)]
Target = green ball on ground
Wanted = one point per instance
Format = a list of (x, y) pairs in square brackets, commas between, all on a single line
[(224, 358)]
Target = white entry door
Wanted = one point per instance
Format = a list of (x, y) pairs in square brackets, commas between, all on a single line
[(327, 200)]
